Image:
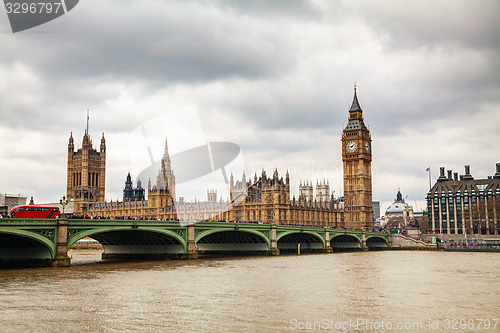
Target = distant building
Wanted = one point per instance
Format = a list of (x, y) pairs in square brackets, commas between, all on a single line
[(166, 179), (376, 210), (323, 191), (458, 205), (306, 191), (212, 196), (397, 207), (399, 214), (9, 201), (133, 194)]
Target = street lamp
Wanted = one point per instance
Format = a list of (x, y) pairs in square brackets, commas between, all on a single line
[(63, 203)]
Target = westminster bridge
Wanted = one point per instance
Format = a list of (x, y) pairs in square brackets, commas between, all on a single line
[(48, 241)]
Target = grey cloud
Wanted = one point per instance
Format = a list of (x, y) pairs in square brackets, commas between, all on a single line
[(190, 42), (294, 8), (433, 24)]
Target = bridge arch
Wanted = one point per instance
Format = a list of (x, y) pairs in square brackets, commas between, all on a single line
[(345, 241), (377, 242), (308, 240), (232, 240), (22, 244), (125, 240)]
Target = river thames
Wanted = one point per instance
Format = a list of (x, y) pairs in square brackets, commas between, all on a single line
[(354, 292)]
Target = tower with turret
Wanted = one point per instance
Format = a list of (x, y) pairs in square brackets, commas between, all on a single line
[(86, 173)]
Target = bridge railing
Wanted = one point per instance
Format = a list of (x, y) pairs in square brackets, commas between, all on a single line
[(9, 221)]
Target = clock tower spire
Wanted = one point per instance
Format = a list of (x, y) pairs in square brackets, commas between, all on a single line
[(356, 159)]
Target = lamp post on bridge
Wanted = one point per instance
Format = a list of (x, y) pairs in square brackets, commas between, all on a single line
[(63, 203)]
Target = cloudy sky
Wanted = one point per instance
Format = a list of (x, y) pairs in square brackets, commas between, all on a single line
[(274, 77)]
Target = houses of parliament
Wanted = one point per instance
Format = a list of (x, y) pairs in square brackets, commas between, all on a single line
[(262, 198)]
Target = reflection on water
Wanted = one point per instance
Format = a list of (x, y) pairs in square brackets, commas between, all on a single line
[(251, 294)]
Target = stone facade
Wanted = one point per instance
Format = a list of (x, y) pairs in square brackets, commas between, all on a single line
[(267, 200), (86, 173)]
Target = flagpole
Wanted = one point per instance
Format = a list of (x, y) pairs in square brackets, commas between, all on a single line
[(430, 187)]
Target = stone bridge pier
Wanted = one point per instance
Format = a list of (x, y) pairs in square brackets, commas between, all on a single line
[(61, 258), (191, 252), (274, 251)]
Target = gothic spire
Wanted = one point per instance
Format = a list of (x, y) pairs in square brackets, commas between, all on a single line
[(355, 104), (128, 182), (165, 153), (355, 115), (71, 145)]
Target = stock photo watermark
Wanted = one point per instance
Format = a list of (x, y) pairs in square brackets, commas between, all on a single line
[(364, 324), (25, 14), (171, 150)]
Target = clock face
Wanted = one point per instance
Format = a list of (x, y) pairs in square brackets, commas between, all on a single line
[(367, 146), (351, 146)]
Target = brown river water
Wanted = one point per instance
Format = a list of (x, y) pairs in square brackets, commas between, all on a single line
[(384, 291)]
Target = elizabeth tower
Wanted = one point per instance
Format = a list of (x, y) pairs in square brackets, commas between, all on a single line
[(357, 159)]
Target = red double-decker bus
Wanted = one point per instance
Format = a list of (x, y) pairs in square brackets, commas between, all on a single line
[(35, 212)]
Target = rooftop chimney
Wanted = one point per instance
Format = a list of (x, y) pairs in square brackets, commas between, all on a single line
[(467, 175), (449, 175), (455, 176), (442, 177), (497, 174)]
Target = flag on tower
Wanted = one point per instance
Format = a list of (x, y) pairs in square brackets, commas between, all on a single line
[(428, 169)]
